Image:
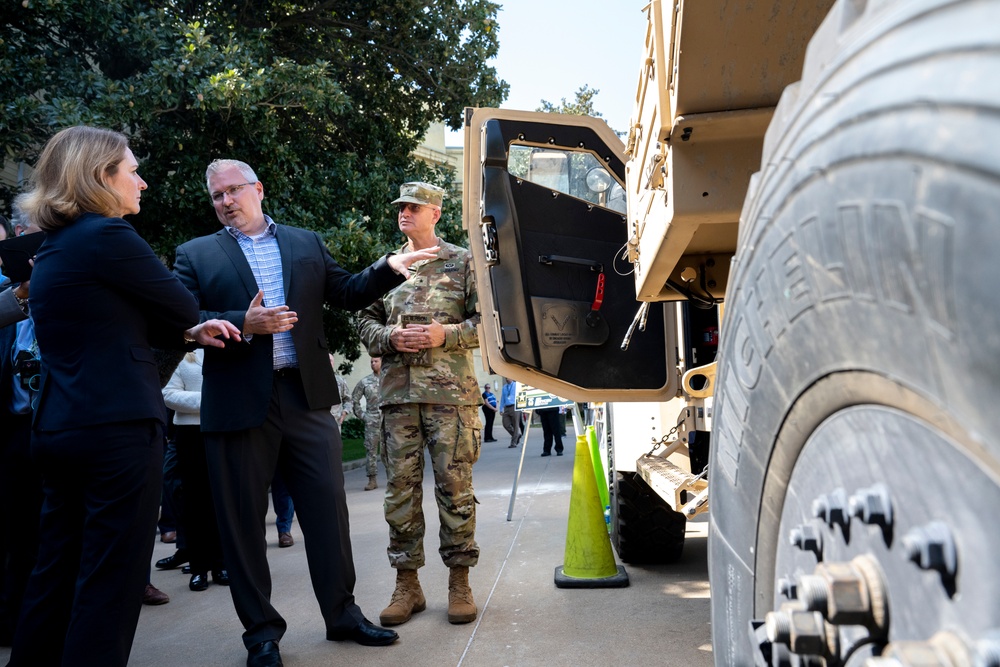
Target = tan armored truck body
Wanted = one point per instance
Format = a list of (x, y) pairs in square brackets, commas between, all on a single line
[(831, 170)]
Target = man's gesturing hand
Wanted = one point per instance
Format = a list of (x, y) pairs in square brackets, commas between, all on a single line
[(208, 332), (262, 320), (401, 263)]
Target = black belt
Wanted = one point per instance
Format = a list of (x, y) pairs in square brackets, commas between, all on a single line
[(287, 371)]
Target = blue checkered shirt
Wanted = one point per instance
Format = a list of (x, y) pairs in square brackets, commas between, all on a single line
[(264, 258)]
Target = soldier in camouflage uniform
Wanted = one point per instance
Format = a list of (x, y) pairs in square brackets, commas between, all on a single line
[(342, 410), (367, 389), (425, 331)]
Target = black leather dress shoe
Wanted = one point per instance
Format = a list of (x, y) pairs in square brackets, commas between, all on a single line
[(186, 569), (174, 560), (220, 577), (264, 654), (199, 582), (365, 633)]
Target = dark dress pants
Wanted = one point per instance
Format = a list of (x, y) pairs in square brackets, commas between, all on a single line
[(201, 530), (305, 446), (550, 417), (21, 503), (101, 493), (488, 417), (284, 508)]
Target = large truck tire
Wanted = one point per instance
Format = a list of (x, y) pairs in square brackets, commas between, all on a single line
[(644, 529), (858, 402)]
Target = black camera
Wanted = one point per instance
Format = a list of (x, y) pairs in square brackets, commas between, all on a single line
[(28, 367)]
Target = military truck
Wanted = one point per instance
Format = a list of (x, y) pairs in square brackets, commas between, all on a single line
[(829, 170)]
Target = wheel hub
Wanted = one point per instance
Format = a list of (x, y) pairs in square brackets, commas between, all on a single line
[(877, 562)]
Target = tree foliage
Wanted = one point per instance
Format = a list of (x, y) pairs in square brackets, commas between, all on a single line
[(582, 105), (325, 99)]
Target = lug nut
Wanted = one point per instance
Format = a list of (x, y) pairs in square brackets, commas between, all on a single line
[(845, 593), (813, 592), (872, 506), (807, 538), (808, 633), (832, 508), (932, 547), (802, 631), (778, 626), (787, 587)]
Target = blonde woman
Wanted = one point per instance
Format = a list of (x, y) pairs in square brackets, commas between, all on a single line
[(100, 299)]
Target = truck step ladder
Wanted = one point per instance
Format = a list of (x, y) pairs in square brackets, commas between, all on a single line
[(670, 482)]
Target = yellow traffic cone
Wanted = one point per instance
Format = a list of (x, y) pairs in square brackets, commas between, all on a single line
[(589, 562), (602, 481)]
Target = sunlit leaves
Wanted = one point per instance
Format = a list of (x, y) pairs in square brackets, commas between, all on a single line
[(326, 99)]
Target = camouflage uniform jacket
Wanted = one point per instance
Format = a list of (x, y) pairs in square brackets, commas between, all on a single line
[(444, 287), (344, 407), (366, 388)]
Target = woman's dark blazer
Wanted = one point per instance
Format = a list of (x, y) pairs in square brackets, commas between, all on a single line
[(100, 300)]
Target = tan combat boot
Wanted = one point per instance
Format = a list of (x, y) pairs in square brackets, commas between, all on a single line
[(461, 606), (372, 483), (407, 599)]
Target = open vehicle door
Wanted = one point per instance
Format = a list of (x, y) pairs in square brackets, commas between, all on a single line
[(544, 208)]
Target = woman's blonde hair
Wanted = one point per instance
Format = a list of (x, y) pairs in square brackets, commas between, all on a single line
[(69, 179)]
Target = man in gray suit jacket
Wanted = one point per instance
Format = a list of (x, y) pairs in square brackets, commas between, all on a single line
[(266, 400), (11, 309)]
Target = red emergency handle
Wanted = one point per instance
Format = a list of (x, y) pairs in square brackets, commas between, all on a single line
[(599, 296)]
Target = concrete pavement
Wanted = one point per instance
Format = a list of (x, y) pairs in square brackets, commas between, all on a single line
[(524, 620)]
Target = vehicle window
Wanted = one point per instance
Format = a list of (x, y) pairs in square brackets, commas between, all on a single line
[(576, 173)]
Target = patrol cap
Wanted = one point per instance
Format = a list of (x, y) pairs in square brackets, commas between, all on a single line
[(418, 192)]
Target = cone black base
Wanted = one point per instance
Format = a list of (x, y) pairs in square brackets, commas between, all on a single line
[(619, 580)]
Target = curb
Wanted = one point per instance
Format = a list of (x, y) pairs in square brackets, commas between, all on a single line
[(353, 465)]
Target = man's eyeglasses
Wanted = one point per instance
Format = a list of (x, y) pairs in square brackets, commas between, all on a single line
[(407, 206), (232, 191)]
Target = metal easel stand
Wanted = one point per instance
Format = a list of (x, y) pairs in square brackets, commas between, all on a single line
[(522, 441)]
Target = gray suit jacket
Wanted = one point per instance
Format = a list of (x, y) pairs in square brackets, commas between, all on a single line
[(10, 312)]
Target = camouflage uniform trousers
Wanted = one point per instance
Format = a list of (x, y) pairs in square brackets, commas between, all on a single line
[(373, 431), (451, 434)]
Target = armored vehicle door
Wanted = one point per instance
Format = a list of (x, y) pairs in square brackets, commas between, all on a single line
[(544, 207)]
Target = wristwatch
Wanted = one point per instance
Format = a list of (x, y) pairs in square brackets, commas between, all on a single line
[(22, 302)]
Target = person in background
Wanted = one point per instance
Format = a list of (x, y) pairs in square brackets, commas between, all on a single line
[(489, 412), (266, 401), (550, 418), (13, 298), (171, 522), (345, 407), (511, 417), (13, 303), (284, 510), (20, 479), (429, 397), (367, 390), (100, 300), (183, 395)]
